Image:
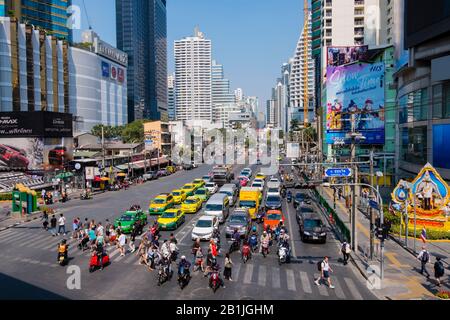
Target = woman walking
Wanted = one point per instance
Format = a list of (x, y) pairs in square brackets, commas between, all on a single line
[(228, 267)]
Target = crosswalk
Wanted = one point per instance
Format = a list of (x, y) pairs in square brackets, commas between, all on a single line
[(263, 275)]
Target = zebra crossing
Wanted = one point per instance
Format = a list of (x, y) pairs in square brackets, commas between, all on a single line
[(253, 273)]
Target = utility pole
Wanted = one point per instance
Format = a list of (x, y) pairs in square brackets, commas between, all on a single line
[(353, 197), (370, 208), (103, 148), (306, 64)]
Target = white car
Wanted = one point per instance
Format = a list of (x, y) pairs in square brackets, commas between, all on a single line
[(204, 228), (258, 184), (274, 180), (250, 171), (212, 187)]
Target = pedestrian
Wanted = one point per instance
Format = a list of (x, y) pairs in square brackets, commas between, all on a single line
[(424, 258), (86, 225), (228, 267), (75, 228), (61, 225), (439, 270), (53, 223), (199, 260), (173, 239), (122, 242), (325, 270), (100, 229), (45, 218), (345, 249), (195, 248), (43, 194), (340, 193)]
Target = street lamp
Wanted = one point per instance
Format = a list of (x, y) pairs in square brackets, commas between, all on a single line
[(380, 208)]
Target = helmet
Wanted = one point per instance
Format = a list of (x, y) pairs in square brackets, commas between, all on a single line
[(64, 241), (265, 232), (183, 257), (254, 228)]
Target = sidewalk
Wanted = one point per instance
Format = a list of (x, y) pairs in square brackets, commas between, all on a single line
[(402, 279)]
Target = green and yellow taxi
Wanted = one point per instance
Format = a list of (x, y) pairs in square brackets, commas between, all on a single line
[(198, 183), (161, 203), (179, 196), (261, 176), (128, 219), (189, 188), (171, 219), (203, 194), (191, 205)]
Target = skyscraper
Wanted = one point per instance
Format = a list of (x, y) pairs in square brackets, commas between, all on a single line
[(171, 97), (301, 82), (49, 15), (239, 94), (193, 78), (142, 33), (220, 86)]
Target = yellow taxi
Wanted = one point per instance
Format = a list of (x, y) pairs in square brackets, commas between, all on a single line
[(189, 188), (179, 196), (161, 203), (191, 205), (198, 183), (260, 175), (171, 219)]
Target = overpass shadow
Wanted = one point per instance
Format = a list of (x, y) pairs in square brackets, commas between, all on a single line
[(15, 289)]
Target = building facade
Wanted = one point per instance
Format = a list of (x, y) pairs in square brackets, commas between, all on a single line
[(220, 87), (171, 93), (239, 94), (423, 90), (193, 78), (34, 69), (141, 27), (301, 79), (2, 8), (98, 84), (52, 16)]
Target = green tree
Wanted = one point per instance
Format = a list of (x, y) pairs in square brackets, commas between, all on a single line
[(295, 125), (133, 132)]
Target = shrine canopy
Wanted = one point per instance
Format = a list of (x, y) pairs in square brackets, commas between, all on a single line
[(429, 178)]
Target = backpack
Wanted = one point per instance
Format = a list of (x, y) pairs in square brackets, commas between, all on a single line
[(319, 266), (425, 256), (440, 268)]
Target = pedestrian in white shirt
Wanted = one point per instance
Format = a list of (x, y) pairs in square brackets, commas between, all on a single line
[(121, 243), (325, 273), (61, 225)]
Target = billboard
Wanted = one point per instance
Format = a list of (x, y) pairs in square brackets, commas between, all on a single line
[(356, 89), (35, 154), (120, 75), (35, 124), (338, 56), (105, 69)]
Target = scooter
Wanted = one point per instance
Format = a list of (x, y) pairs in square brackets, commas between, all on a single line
[(260, 217), (289, 197), (283, 255), (183, 278), (234, 245), (164, 274), (253, 242), (63, 259), (265, 248), (85, 196), (214, 280), (246, 253), (94, 263)]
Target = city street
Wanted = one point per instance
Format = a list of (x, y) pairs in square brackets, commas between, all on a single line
[(27, 259)]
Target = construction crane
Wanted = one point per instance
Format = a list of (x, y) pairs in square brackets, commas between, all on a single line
[(306, 41)]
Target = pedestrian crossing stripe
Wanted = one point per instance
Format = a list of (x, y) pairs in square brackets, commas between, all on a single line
[(306, 285), (290, 280), (353, 289)]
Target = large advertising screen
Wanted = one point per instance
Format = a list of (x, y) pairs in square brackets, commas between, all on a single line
[(441, 157), (356, 89), (338, 56), (35, 154), (37, 124)]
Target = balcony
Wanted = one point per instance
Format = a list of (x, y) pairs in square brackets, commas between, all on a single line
[(359, 12), (359, 3)]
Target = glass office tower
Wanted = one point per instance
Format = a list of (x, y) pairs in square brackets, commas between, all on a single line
[(51, 15), (142, 34)]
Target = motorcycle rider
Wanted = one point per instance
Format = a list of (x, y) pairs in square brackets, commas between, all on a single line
[(253, 239), (63, 248), (289, 196), (265, 240), (215, 269), (173, 251), (183, 267), (236, 239), (246, 250), (165, 250)]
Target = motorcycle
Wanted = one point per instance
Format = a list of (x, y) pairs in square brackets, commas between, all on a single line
[(94, 263), (246, 253), (260, 217), (164, 274), (253, 242), (283, 254), (234, 245), (63, 259), (183, 279), (86, 196), (214, 280), (265, 248), (289, 197)]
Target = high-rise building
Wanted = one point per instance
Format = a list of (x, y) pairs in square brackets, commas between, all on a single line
[(301, 82), (220, 86), (239, 94), (2, 8), (193, 78), (142, 33), (171, 97), (270, 112), (49, 15)]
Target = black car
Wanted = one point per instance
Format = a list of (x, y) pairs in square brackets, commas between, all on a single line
[(311, 227), (273, 202), (302, 210), (301, 197)]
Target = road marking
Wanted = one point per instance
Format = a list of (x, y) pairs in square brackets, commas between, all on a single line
[(34, 262), (306, 285), (290, 230), (36, 242), (131, 258), (290, 280), (248, 274), (120, 257), (262, 276), (353, 290), (338, 289), (7, 234), (114, 253), (237, 268), (322, 289), (276, 278), (16, 237), (52, 244)]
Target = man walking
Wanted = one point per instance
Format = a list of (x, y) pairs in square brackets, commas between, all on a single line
[(424, 258), (53, 222), (325, 273), (345, 249), (439, 270), (61, 225)]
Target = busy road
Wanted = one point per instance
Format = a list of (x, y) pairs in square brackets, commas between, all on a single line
[(28, 257)]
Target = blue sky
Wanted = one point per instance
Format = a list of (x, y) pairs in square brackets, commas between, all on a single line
[(251, 38)]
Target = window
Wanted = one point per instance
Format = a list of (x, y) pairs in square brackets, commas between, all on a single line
[(414, 145), (446, 100), (437, 101)]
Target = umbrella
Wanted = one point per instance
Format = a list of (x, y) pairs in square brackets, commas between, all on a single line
[(121, 174), (64, 175)]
